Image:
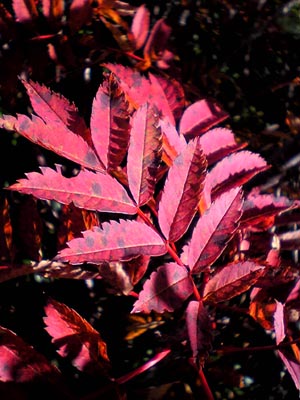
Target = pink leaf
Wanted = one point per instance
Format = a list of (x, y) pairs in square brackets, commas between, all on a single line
[(234, 170), (53, 9), (182, 191), (199, 117), (214, 230), (140, 26), (174, 93), (20, 362), (110, 124), (54, 108), (258, 207), (231, 281), (289, 360), (93, 191), (165, 290), (54, 137), (114, 242), (136, 86), (157, 39), (79, 14), (144, 154), (25, 10), (174, 143), (75, 337), (199, 330), (292, 366), (219, 143), (279, 323), (158, 97)]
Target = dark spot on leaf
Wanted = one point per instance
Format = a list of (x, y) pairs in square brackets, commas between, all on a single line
[(89, 241), (96, 188)]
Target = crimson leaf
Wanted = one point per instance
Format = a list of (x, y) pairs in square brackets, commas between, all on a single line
[(165, 290), (182, 191), (214, 230), (114, 242), (93, 191)]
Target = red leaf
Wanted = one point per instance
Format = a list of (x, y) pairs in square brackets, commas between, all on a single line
[(110, 124), (93, 191), (289, 360), (157, 40), (54, 108), (231, 281), (53, 9), (158, 97), (20, 362), (25, 10), (199, 117), (219, 143), (144, 154), (234, 170), (175, 95), (199, 330), (214, 230), (54, 137), (114, 242), (75, 337), (140, 26), (173, 143), (136, 86), (79, 14), (165, 290), (182, 191), (258, 207)]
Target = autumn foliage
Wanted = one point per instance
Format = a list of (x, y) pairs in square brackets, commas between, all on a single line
[(159, 204)]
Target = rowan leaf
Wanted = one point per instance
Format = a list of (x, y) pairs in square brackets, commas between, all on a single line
[(144, 154), (258, 207), (165, 290), (93, 191), (231, 281), (53, 9), (75, 337), (20, 362), (234, 170), (214, 230), (140, 26), (157, 41), (110, 124), (175, 95), (54, 108), (182, 191), (55, 137), (173, 143), (113, 242), (80, 13), (25, 10), (136, 86), (218, 143), (199, 330), (158, 97), (199, 117), (290, 361)]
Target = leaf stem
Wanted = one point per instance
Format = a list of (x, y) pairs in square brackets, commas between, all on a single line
[(154, 360), (229, 350)]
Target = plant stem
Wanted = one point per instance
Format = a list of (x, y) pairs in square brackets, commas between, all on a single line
[(208, 392), (154, 360)]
